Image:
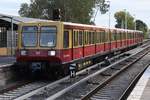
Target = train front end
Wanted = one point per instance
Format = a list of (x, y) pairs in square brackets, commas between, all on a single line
[(39, 46)]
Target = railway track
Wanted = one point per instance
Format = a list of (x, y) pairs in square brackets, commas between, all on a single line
[(42, 90), (25, 88), (89, 86), (14, 93), (113, 87), (60, 88), (63, 83)]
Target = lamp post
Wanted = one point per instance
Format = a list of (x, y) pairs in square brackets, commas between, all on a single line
[(109, 13), (126, 22), (109, 33), (135, 22)]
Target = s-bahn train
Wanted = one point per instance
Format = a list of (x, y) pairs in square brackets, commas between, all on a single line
[(52, 46)]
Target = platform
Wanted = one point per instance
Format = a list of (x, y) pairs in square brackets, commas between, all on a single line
[(7, 60), (142, 88)]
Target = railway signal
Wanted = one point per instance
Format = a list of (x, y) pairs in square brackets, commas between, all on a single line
[(57, 14)]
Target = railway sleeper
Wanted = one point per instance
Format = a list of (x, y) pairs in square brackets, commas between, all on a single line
[(105, 74), (114, 68)]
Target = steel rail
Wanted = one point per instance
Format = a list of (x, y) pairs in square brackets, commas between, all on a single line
[(5, 66), (61, 80), (60, 93), (127, 92), (95, 90), (66, 78)]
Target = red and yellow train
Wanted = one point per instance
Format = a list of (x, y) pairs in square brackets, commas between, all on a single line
[(52, 46)]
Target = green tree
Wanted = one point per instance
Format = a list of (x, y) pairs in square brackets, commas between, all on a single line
[(24, 9), (140, 25), (121, 17), (79, 11)]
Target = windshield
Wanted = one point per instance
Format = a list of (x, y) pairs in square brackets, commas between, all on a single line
[(29, 36), (48, 36)]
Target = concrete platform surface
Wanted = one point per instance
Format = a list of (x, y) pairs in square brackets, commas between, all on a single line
[(4, 60), (142, 88)]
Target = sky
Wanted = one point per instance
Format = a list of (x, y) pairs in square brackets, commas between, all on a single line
[(138, 8)]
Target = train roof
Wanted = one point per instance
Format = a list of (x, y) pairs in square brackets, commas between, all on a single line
[(97, 26), (85, 25)]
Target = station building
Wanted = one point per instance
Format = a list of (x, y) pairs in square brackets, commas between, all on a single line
[(8, 33)]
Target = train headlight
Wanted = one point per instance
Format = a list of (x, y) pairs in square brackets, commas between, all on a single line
[(51, 53), (23, 52)]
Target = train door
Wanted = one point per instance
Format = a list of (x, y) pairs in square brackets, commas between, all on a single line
[(77, 48), (113, 40), (128, 39), (121, 39), (102, 41), (67, 45), (107, 40)]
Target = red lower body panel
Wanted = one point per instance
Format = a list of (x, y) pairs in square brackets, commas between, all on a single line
[(65, 55), (89, 50), (107, 46), (113, 45), (118, 44), (100, 48), (77, 52)]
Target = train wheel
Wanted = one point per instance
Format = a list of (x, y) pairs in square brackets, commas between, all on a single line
[(55, 72)]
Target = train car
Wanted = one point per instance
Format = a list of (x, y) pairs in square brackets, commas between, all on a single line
[(52, 46)]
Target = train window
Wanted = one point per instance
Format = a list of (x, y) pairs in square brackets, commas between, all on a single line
[(118, 36), (90, 38), (121, 37), (106, 36), (48, 36), (29, 35), (124, 35), (93, 39), (97, 37), (102, 37), (80, 37), (132, 35), (115, 36), (75, 36), (129, 35), (85, 38), (66, 39), (112, 36)]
